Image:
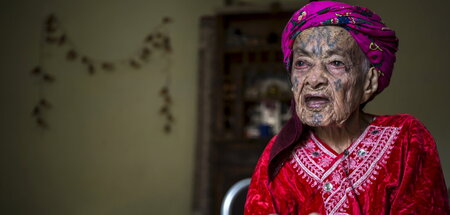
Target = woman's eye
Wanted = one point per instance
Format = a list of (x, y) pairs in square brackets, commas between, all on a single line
[(300, 63), (337, 63)]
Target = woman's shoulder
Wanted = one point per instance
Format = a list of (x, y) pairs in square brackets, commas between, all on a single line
[(398, 120)]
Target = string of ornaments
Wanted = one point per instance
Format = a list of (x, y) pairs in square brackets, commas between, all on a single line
[(53, 34)]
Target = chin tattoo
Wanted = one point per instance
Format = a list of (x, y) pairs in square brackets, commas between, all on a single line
[(317, 119)]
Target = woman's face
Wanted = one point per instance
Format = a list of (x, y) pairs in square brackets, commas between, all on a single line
[(327, 76)]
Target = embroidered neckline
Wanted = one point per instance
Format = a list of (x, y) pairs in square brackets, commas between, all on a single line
[(328, 150), (339, 177)]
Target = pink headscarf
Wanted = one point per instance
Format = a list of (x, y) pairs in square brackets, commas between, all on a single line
[(377, 41)]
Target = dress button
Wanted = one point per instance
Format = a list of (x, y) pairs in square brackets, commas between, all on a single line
[(374, 132), (328, 186), (346, 152), (316, 154), (361, 153)]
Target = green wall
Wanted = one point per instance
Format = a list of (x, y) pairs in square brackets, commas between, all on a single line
[(105, 152)]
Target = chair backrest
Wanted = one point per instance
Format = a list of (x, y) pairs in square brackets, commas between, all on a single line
[(234, 200)]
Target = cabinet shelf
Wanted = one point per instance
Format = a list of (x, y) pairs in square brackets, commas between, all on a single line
[(253, 48), (244, 98)]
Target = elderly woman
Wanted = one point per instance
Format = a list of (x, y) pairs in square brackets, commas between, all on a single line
[(331, 157)]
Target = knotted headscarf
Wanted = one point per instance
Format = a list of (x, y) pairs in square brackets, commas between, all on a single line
[(376, 40)]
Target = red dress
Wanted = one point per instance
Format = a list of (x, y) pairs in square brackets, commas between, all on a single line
[(393, 168)]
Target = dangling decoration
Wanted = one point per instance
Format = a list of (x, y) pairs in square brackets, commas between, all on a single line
[(165, 109), (53, 34)]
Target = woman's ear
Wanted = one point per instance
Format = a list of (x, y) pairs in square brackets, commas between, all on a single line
[(370, 84)]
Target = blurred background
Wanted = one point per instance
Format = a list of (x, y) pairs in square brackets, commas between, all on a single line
[(107, 148)]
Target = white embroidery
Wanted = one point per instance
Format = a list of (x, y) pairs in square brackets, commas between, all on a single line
[(340, 177), (323, 148)]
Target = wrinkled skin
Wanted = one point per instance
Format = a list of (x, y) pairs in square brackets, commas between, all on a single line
[(331, 78)]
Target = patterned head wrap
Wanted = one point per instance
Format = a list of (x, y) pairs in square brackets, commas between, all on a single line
[(377, 41)]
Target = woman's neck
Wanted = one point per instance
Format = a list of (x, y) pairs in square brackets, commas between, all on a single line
[(340, 137)]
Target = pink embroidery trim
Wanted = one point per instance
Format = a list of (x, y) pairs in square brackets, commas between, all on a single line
[(376, 142)]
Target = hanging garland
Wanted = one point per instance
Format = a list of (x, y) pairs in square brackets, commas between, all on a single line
[(54, 35)]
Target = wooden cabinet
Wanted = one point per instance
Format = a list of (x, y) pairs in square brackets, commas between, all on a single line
[(244, 97)]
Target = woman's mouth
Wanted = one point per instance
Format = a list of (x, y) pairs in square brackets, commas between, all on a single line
[(316, 101)]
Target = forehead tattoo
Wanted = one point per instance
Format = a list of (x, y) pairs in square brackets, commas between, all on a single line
[(323, 41)]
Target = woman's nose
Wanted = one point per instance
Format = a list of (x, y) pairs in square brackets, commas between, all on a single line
[(316, 79)]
